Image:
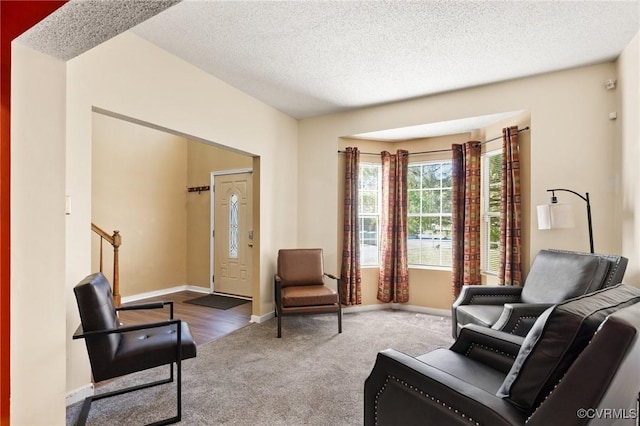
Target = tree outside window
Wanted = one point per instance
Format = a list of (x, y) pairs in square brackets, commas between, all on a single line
[(491, 187), (369, 199), (429, 214)]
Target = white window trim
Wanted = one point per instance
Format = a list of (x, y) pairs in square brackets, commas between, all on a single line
[(421, 265), (379, 197), (486, 215)]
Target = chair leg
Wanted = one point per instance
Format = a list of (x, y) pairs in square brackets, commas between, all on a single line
[(279, 324), (86, 406), (178, 389), (340, 320), (84, 412)]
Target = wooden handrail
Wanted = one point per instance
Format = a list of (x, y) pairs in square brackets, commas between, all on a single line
[(115, 240), (95, 228)]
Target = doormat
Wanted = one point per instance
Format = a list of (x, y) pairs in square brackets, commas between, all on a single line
[(216, 301)]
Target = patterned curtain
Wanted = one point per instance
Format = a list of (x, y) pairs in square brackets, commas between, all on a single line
[(465, 216), (510, 269), (393, 285), (350, 272)]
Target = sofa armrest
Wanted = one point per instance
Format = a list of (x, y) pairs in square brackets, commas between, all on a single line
[(81, 334), (488, 295), (277, 292), (494, 348), (403, 390), (518, 318), (482, 295), (338, 285), (147, 306)]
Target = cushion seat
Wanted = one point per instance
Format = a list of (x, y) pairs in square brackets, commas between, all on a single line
[(459, 365), (152, 347), (308, 295)]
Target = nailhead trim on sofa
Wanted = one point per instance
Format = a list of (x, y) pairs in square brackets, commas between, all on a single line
[(423, 393)]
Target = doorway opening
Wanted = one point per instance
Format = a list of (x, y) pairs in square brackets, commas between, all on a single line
[(140, 175)]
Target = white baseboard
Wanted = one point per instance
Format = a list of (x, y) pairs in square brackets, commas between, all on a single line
[(376, 307), (197, 289), (268, 316), (365, 308), (262, 318), (164, 291), (422, 309), (79, 394), (397, 306)]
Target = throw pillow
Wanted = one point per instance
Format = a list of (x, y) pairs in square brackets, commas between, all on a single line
[(556, 340)]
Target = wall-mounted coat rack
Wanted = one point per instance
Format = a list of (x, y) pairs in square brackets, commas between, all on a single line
[(198, 189)]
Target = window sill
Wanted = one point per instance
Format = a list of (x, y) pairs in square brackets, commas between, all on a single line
[(430, 267), (419, 267)]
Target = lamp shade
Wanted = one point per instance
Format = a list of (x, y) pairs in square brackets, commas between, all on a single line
[(544, 217), (555, 216)]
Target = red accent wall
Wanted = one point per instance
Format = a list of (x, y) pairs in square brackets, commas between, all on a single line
[(15, 18)]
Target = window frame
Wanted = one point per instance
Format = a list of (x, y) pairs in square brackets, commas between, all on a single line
[(488, 215), (362, 215), (442, 214)]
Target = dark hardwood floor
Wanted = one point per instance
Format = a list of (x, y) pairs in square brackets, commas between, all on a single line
[(206, 324)]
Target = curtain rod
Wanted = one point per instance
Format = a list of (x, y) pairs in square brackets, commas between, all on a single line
[(437, 150)]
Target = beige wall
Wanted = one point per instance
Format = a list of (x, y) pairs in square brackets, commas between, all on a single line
[(202, 160), (39, 334), (629, 132), (138, 186)]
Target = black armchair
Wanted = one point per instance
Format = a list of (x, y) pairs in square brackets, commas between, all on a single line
[(116, 350), (555, 276), (581, 357)]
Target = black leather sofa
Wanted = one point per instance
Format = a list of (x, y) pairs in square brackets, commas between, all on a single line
[(554, 277), (581, 358)]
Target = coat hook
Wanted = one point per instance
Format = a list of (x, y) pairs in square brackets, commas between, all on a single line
[(198, 189)]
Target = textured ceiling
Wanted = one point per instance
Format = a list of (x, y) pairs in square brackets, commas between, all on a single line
[(81, 25), (309, 58)]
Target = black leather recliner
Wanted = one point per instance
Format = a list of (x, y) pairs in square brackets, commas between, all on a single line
[(116, 350), (581, 358), (555, 276)]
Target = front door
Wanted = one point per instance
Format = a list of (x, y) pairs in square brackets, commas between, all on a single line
[(233, 234)]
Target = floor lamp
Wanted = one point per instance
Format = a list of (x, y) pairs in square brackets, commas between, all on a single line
[(557, 215)]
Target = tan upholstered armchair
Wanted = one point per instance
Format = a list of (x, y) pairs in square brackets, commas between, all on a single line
[(300, 287)]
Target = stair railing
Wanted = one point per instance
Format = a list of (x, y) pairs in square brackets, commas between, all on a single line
[(115, 240)]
